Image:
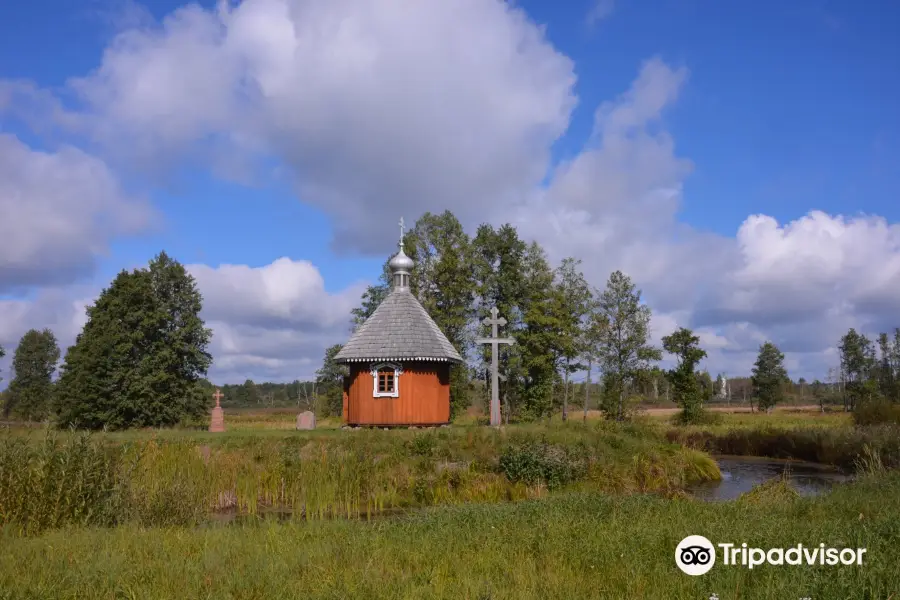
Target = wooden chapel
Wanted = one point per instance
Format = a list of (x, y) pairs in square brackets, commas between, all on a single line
[(399, 361)]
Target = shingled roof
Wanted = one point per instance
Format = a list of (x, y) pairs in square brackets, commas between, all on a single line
[(399, 329)]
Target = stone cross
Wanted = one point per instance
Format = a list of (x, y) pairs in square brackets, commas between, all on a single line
[(217, 419), (495, 342)]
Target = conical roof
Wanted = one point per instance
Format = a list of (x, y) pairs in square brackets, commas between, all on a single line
[(399, 329)]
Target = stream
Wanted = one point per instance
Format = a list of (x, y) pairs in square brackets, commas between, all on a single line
[(741, 473)]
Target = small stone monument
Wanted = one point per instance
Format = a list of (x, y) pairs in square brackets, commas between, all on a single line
[(306, 420), (217, 422)]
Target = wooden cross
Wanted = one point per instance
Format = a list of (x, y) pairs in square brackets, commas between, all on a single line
[(218, 396), (495, 342)]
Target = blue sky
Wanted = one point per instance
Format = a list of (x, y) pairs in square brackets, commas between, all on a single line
[(764, 108)]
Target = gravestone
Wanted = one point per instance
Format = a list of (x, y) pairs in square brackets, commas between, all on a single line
[(217, 420), (306, 420)]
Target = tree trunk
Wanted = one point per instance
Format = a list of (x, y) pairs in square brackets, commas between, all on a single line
[(619, 416), (565, 412), (587, 390)]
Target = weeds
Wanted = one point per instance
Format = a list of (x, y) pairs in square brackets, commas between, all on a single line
[(80, 479)]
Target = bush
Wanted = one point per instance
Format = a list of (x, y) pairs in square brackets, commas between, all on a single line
[(539, 462), (877, 412), (697, 417)]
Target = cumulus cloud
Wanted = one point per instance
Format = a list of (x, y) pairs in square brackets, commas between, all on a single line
[(392, 108), (274, 321), (58, 213), (405, 106), (268, 322)]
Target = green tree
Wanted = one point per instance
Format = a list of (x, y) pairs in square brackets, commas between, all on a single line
[(498, 260), (330, 380), (31, 388), (250, 393), (443, 281), (895, 364), (625, 349), (886, 379), (769, 376), (858, 362), (2, 354), (572, 302), (538, 336), (593, 330), (142, 354), (686, 391), (819, 393)]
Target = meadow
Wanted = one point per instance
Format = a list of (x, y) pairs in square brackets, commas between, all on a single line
[(548, 510)]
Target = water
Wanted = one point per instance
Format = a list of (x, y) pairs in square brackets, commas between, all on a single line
[(741, 474)]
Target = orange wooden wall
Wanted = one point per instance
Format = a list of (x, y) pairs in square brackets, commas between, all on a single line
[(424, 397)]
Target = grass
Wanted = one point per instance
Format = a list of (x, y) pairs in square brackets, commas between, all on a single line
[(825, 439), (77, 479), (568, 546)]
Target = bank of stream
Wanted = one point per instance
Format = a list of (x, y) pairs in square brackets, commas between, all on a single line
[(740, 474)]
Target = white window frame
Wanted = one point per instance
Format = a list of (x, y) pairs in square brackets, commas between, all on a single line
[(398, 371)]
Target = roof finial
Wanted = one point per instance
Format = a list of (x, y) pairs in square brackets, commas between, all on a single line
[(401, 233)]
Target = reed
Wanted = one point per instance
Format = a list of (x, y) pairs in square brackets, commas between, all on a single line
[(568, 545), (80, 479)]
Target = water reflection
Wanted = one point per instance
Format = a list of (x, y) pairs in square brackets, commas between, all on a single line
[(741, 474)]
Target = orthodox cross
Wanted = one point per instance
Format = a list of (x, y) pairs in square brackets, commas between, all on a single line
[(495, 342), (401, 232), (218, 396)]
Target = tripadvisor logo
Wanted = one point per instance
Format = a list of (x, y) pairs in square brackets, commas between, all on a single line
[(695, 555)]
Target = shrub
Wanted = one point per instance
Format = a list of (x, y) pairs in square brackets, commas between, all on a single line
[(539, 462), (697, 416), (877, 412)]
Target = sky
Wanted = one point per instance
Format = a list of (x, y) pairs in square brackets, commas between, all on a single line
[(740, 161)]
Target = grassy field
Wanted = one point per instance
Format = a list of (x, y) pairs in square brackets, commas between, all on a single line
[(597, 511), (568, 546)]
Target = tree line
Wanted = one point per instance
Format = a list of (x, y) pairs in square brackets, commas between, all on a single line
[(561, 324), (142, 356)]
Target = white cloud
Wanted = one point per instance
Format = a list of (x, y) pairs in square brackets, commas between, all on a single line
[(405, 106), (269, 323), (274, 321), (600, 9), (379, 109), (58, 213)]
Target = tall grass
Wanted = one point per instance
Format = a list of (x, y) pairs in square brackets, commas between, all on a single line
[(839, 446), (96, 480), (566, 546)]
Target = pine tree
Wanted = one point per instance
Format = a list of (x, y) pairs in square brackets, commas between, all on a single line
[(140, 360), (769, 376), (686, 388), (34, 363)]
